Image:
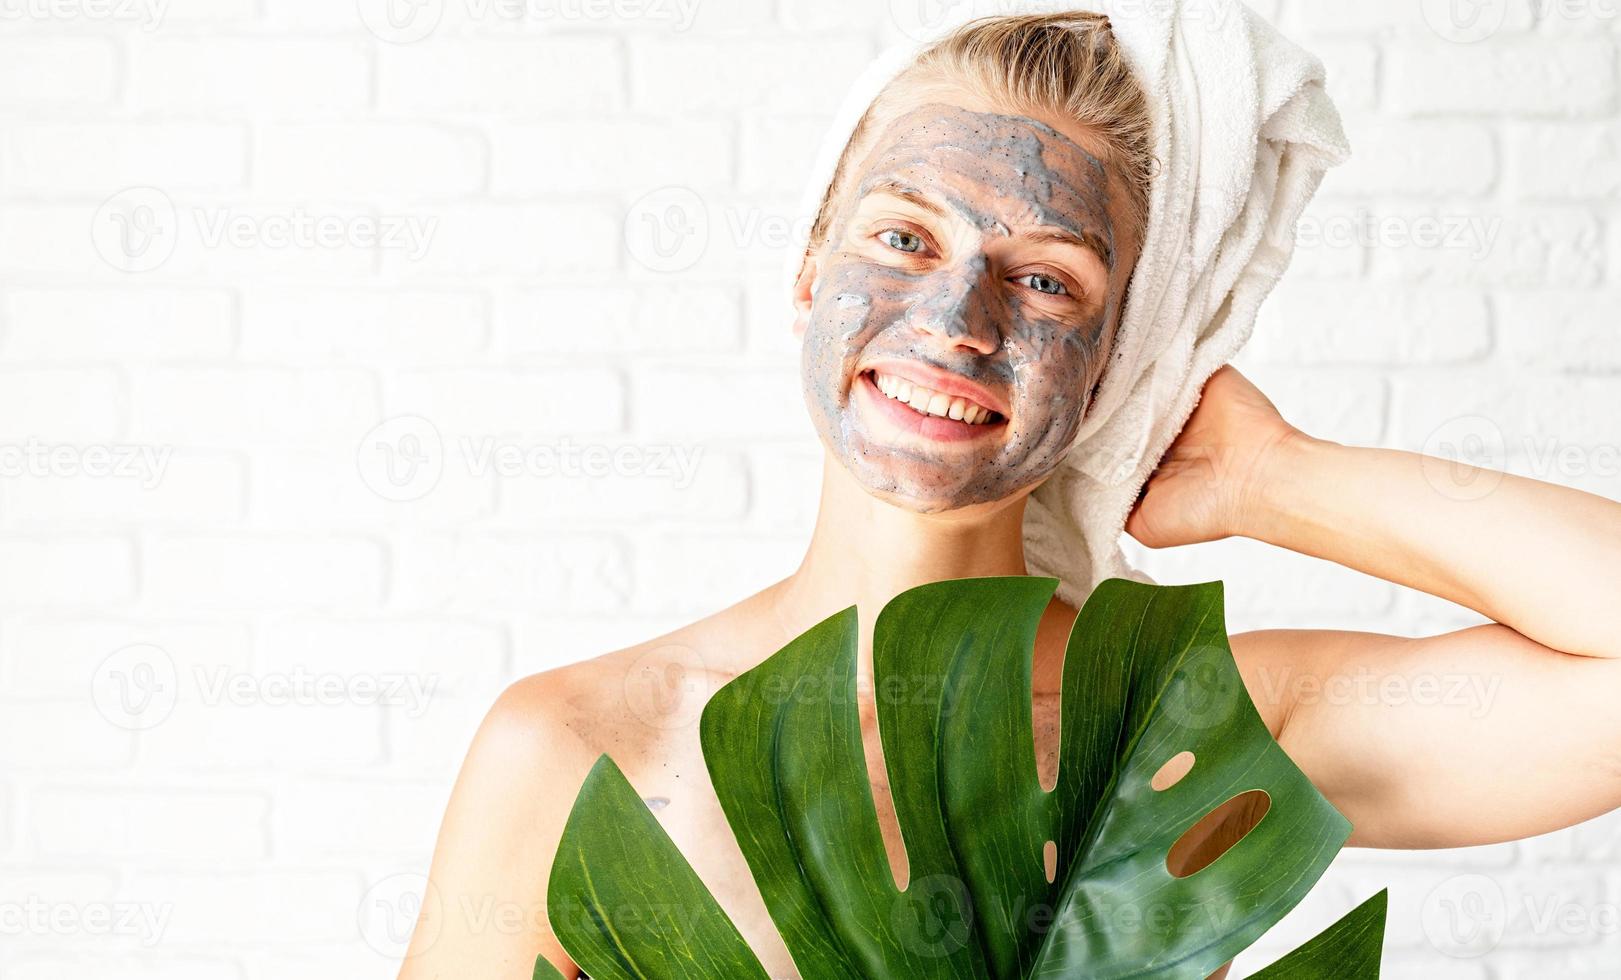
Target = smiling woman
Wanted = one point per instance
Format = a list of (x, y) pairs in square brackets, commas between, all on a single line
[(962, 305), (975, 254)]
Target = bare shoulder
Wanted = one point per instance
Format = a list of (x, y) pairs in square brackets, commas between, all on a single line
[(511, 801)]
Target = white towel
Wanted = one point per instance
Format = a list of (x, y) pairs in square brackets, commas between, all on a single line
[(1244, 132)]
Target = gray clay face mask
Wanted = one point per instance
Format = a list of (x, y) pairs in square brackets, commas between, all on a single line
[(909, 302)]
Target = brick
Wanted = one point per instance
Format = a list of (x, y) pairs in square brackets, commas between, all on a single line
[(263, 908), (524, 240), (252, 572), (1518, 77), (57, 658), (694, 75), (363, 326), (138, 324), (488, 402), (58, 71), (574, 75), (279, 75), (809, 16), (155, 966), (61, 405), (1326, 245), (68, 571), (785, 483), (650, 480), (51, 240), (338, 818), (346, 490), (735, 566), (575, 572), (1486, 245), (1331, 323), (1519, 411), (1403, 20), (1352, 73), (547, 322), (777, 151), (253, 406), (57, 736), (369, 160), (104, 158), (452, 655), (582, 155), (130, 484), (1559, 330), (1563, 161), (229, 719), (295, 239), (1416, 159), (699, 402), (166, 828)]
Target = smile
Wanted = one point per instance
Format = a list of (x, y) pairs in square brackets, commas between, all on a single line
[(901, 414), (927, 401)]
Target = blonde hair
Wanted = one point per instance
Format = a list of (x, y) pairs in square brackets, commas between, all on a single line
[(1066, 64)]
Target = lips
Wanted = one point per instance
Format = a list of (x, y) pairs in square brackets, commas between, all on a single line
[(937, 381), (898, 422)]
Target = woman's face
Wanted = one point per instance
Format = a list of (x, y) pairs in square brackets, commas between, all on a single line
[(963, 306)]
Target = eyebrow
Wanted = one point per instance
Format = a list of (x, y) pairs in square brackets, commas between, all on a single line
[(1084, 239)]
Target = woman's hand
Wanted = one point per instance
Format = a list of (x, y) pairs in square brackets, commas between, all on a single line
[(1209, 483)]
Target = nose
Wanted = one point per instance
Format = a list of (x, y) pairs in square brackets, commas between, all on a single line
[(958, 306)]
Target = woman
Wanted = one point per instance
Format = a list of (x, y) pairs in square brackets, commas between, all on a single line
[(957, 306)]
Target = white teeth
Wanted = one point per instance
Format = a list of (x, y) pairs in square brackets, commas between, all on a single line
[(930, 402)]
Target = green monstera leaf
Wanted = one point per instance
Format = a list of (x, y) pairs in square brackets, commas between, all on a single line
[(1148, 675)]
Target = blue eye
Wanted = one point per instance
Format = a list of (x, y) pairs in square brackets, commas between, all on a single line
[(1045, 284), (888, 235)]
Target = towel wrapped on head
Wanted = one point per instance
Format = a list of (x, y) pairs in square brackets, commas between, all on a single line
[(1243, 132)]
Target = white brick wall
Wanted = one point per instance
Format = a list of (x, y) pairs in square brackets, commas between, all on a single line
[(247, 236)]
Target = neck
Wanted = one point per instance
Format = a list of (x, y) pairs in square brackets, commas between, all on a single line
[(865, 551)]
